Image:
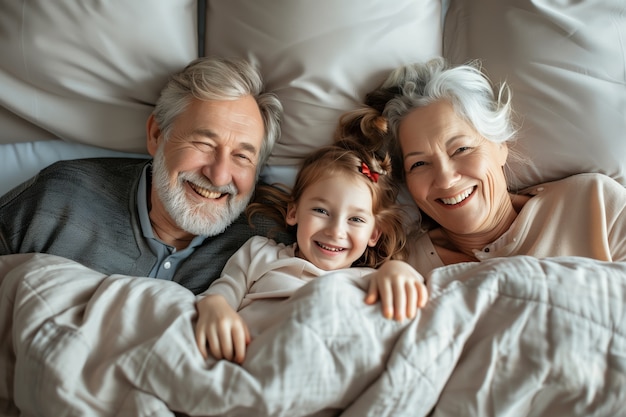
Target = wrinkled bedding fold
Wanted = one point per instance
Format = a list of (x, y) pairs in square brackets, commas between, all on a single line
[(507, 337)]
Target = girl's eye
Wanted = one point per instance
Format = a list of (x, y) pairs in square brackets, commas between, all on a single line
[(357, 219), (320, 210)]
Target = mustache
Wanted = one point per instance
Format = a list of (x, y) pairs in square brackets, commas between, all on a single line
[(205, 183)]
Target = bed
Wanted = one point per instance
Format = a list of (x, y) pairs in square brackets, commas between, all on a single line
[(517, 336)]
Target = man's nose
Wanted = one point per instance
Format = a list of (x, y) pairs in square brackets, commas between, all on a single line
[(219, 170)]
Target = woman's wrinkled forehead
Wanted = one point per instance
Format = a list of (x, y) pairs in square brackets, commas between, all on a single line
[(435, 122)]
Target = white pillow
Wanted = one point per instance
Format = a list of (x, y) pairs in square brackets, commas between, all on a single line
[(89, 71), (20, 161), (321, 57), (565, 62)]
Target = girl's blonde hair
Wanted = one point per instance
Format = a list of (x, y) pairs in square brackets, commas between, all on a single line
[(348, 156)]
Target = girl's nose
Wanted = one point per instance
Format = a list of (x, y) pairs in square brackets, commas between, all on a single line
[(336, 229)]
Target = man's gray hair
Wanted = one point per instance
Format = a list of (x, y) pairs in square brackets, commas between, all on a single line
[(209, 78)]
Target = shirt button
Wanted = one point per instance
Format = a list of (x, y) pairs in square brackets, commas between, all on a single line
[(167, 265)]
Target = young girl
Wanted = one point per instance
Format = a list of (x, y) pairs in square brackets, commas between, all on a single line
[(343, 209)]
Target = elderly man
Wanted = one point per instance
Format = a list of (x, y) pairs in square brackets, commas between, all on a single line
[(176, 217)]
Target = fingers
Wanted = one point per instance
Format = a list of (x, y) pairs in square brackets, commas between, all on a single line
[(213, 340), (201, 341), (229, 341), (241, 338), (400, 295), (226, 341), (372, 292), (221, 329), (422, 294), (387, 297), (400, 298), (409, 298), (413, 298)]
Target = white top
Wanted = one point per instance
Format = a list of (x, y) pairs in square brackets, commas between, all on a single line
[(582, 215), (263, 272)]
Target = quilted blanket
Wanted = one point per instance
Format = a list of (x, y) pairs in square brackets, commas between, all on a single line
[(508, 337)]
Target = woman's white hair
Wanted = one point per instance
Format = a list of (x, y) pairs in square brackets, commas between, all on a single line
[(474, 98), (471, 93)]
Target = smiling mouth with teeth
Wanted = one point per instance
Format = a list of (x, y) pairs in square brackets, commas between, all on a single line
[(329, 248), (457, 198), (204, 192)]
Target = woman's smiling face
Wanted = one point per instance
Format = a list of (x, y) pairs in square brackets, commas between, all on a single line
[(454, 174)]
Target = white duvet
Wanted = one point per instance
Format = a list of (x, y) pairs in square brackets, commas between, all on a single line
[(514, 337)]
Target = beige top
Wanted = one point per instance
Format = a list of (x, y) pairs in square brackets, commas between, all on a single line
[(582, 215), (263, 272)]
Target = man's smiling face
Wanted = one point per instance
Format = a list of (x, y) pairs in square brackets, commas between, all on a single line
[(204, 173)]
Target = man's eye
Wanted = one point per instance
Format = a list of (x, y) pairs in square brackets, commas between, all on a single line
[(203, 145)]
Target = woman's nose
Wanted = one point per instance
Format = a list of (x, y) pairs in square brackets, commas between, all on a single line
[(446, 175)]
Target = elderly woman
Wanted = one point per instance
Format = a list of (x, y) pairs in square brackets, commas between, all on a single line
[(449, 131)]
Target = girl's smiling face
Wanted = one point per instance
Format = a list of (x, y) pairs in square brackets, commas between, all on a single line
[(454, 174), (335, 222)]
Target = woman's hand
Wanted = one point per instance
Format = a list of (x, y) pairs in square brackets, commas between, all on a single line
[(222, 329), (400, 287)]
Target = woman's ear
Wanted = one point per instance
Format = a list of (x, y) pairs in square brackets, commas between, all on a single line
[(291, 214), (374, 238), (153, 135)]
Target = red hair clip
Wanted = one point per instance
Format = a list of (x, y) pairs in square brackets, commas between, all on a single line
[(373, 176)]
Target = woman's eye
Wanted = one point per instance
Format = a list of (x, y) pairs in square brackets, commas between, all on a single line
[(416, 165), (244, 157), (462, 149)]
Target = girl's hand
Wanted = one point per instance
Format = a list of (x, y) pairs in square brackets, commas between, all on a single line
[(221, 328), (401, 289)]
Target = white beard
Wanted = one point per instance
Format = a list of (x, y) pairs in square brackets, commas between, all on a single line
[(204, 219)]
